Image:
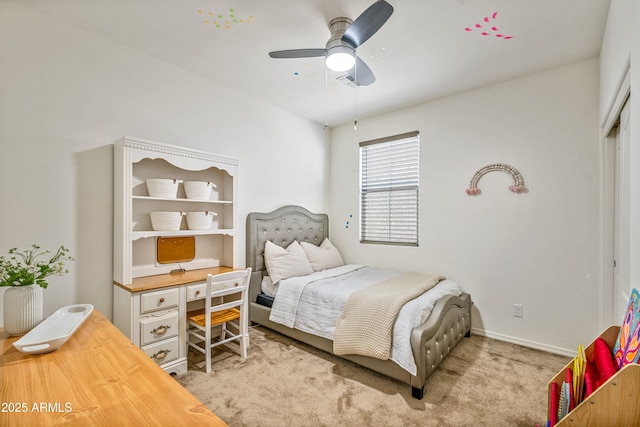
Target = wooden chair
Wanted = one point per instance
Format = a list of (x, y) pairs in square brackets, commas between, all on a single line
[(220, 312)]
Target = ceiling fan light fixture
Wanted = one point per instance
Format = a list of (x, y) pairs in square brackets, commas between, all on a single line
[(340, 58)]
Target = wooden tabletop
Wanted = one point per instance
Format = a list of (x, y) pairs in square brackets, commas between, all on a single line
[(148, 283), (97, 378)]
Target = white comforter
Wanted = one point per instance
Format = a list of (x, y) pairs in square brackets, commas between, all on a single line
[(313, 304)]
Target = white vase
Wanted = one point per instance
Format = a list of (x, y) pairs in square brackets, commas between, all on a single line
[(22, 308)]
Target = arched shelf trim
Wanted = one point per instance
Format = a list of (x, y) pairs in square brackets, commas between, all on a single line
[(518, 181)]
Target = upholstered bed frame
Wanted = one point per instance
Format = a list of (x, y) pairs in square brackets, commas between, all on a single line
[(449, 321)]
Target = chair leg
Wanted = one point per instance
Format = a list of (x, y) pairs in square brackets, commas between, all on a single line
[(223, 331), (207, 345), (244, 334)]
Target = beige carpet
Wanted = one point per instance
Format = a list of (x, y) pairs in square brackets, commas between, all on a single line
[(483, 382)]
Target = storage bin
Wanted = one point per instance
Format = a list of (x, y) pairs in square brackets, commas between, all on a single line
[(166, 221), (200, 220), (614, 403), (165, 188), (198, 190)]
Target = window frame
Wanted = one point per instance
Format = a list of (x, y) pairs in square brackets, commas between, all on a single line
[(400, 185)]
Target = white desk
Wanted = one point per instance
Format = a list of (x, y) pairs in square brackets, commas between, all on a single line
[(152, 311)]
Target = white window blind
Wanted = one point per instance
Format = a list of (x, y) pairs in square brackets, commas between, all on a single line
[(389, 189)]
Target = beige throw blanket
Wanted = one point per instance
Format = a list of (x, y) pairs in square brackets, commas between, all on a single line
[(365, 326)]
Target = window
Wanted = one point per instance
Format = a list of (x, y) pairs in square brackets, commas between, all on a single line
[(389, 187)]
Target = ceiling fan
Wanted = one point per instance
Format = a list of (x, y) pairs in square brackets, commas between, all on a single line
[(346, 37)]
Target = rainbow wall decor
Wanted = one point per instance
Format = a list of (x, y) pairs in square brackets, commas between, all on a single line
[(517, 187)]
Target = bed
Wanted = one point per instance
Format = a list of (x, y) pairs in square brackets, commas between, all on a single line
[(448, 321)]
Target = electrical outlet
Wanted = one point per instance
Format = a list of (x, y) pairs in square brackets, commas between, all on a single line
[(518, 310)]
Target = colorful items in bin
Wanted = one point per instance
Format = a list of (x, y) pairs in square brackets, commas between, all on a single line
[(603, 365), (603, 360), (562, 400), (570, 390), (579, 366), (555, 401), (591, 378), (581, 380), (626, 347), (565, 401)]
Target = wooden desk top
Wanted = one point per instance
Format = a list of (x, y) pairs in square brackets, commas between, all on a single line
[(97, 378), (167, 280)]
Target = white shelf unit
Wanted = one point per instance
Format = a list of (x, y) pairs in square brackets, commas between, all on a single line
[(135, 242), (136, 160)]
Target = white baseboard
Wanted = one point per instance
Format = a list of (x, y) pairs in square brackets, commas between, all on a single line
[(525, 343)]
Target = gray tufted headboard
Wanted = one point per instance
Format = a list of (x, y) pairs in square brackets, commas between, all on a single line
[(282, 226)]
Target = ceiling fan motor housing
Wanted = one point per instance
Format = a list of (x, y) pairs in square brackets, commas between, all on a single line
[(340, 55), (337, 27)]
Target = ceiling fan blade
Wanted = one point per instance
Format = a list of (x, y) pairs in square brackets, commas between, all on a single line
[(298, 53), (361, 74), (368, 23)]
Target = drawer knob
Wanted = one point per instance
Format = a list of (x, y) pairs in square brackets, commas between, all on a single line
[(161, 300), (161, 354), (197, 292), (161, 330)]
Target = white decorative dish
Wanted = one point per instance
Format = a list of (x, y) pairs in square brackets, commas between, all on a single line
[(198, 190), (55, 330), (164, 188), (166, 221), (200, 220)]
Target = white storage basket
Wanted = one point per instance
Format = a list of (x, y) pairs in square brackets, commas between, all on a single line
[(165, 188), (166, 221), (200, 220), (198, 190)]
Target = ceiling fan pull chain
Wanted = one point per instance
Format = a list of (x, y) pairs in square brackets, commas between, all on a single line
[(355, 99), (326, 90)]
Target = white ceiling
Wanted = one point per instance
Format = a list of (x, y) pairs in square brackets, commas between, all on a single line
[(423, 52)]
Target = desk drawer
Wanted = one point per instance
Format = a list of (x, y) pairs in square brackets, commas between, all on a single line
[(158, 300), (163, 351), (154, 329), (195, 292)]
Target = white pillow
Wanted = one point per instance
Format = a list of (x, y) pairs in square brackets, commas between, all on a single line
[(284, 263), (324, 256), (268, 287)]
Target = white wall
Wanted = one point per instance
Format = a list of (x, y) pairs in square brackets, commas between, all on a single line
[(539, 249), (66, 95), (620, 54)]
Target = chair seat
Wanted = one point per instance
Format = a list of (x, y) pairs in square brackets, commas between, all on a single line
[(217, 317)]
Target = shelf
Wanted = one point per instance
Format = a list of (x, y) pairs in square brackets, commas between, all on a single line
[(614, 403), (138, 274), (145, 234), (179, 199)]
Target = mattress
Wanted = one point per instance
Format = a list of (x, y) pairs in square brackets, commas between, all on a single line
[(323, 295)]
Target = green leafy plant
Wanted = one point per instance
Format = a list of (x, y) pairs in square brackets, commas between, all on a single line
[(23, 268)]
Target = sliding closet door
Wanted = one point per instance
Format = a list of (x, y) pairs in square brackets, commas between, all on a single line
[(621, 228)]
